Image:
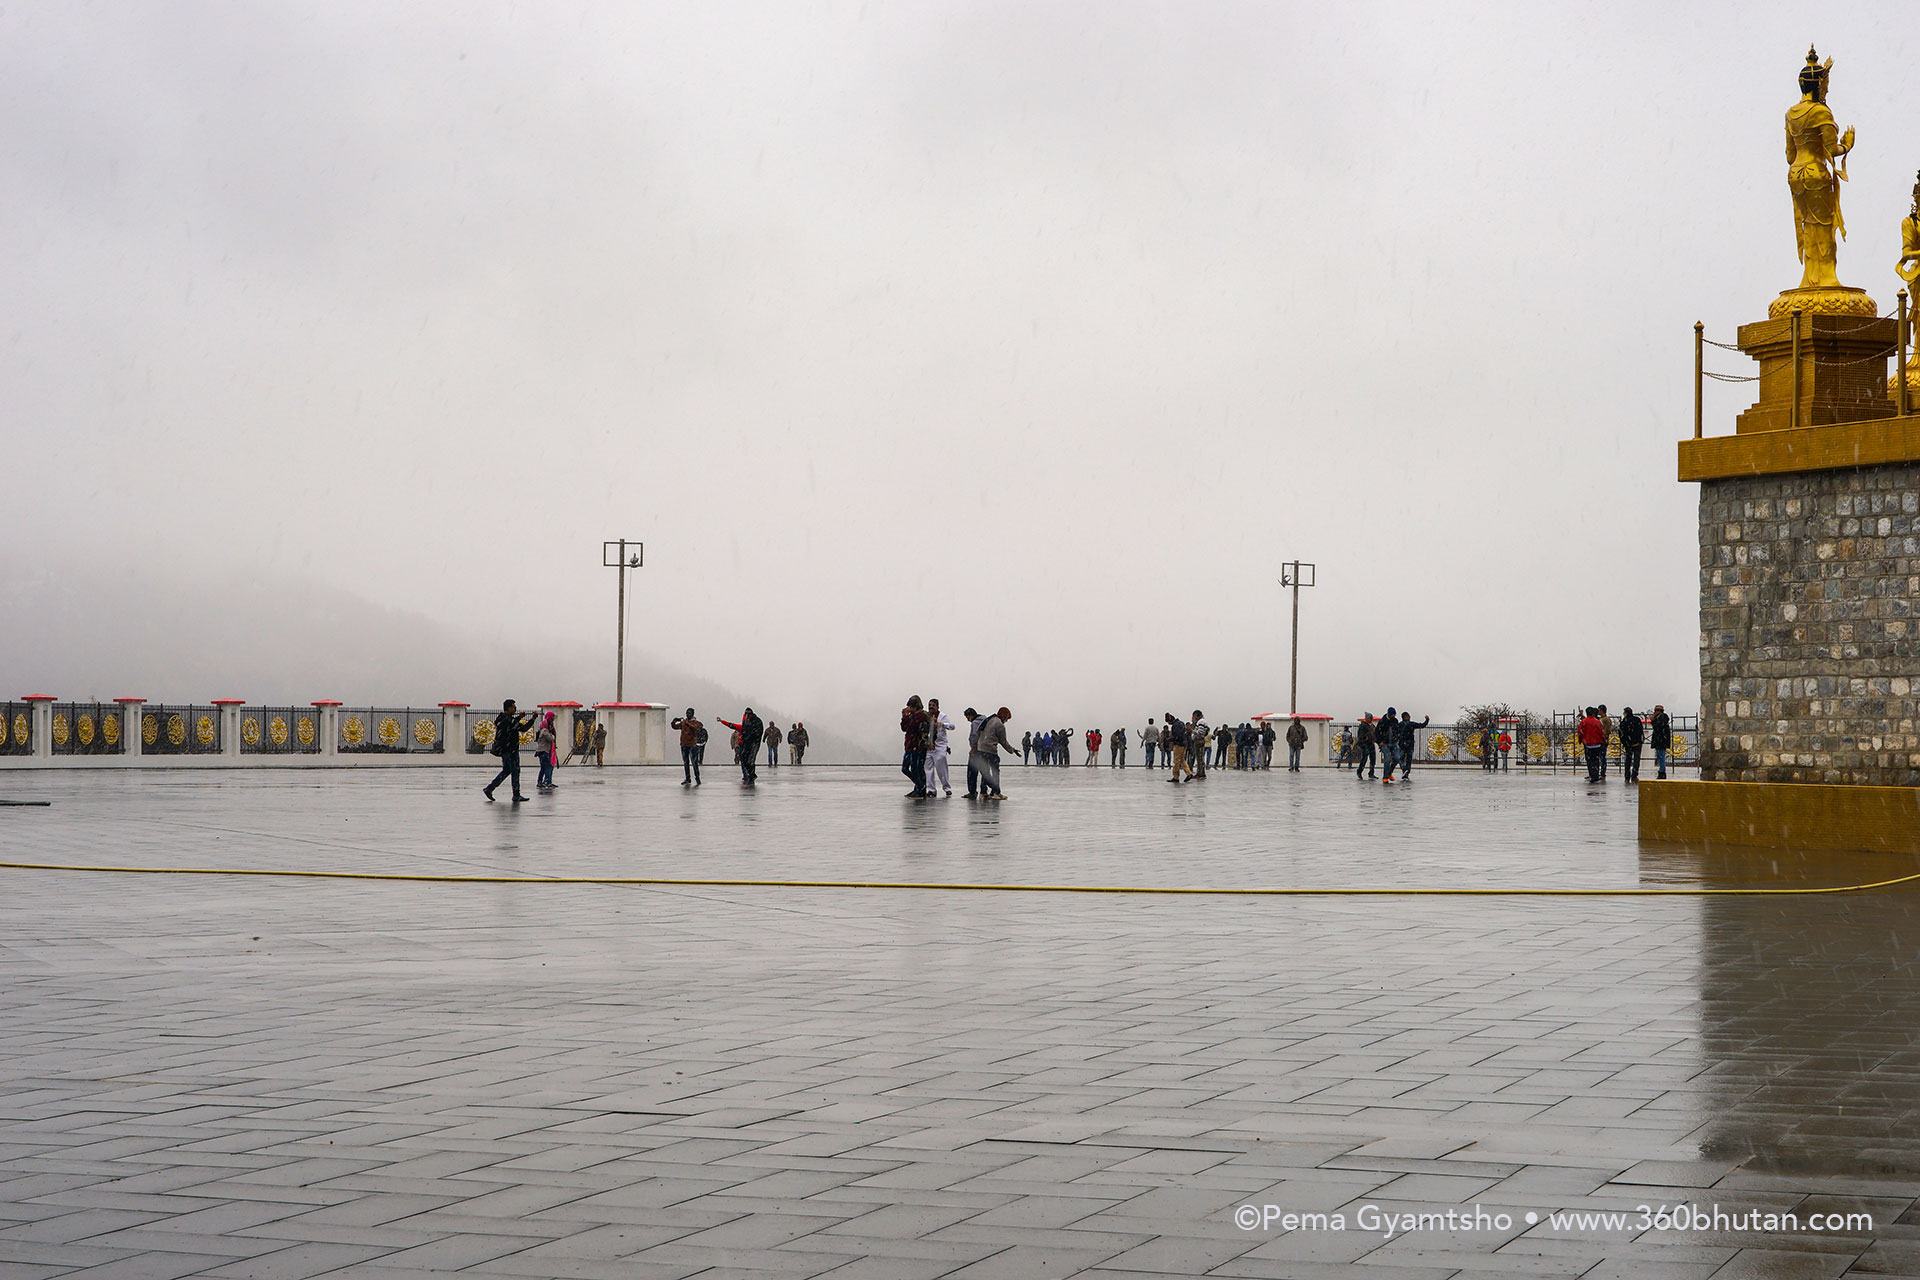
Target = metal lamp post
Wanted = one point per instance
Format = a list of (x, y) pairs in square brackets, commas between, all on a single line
[(615, 555), (1298, 574)]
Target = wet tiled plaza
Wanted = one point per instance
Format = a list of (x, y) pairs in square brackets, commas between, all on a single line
[(215, 1075)]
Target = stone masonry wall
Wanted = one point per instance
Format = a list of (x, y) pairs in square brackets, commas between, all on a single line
[(1809, 648)]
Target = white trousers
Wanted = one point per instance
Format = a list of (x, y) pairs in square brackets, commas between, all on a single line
[(937, 768)]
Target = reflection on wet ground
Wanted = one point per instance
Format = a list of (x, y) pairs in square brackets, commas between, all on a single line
[(256, 1077)]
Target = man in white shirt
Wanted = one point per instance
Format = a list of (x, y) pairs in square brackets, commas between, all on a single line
[(939, 723)]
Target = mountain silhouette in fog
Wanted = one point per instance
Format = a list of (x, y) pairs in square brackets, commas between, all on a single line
[(104, 631)]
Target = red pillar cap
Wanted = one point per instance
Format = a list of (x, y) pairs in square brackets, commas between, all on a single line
[(228, 702), (456, 704), (129, 699), (328, 702)]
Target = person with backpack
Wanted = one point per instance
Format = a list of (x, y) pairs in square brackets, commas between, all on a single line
[(797, 743), (914, 737), (1632, 733), (507, 728), (1661, 740), (1093, 747), (1364, 735), (1174, 739), (692, 735), (1117, 750), (1199, 741), (986, 751), (746, 747)]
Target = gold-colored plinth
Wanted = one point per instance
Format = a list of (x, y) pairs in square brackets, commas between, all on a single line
[(1840, 301), (1881, 442), (1782, 815)]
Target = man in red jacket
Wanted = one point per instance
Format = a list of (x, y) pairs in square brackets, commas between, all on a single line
[(1593, 736)]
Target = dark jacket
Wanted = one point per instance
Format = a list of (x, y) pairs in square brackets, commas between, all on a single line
[(507, 729), (1662, 732), (1363, 735), (1631, 731), (1403, 731), (1296, 735)]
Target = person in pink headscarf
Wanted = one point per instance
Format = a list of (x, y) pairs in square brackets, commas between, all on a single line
[(545, 741)]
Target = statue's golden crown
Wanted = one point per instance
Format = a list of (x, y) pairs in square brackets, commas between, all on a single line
[(1814, 74)]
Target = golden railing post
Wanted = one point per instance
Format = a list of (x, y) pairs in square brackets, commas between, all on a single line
[(1906, 318), (1795, 419), (1699, 366)]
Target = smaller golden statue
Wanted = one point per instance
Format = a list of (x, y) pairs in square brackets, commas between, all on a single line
[(1909, 270), (1817, 153)]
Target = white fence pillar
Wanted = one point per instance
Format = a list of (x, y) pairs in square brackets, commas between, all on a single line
[(130, 726), (228, 709), (42, 712)]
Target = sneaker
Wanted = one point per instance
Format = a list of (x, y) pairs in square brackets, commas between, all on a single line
[(686, 782), (488, 794), (996, 796), (519, 799)]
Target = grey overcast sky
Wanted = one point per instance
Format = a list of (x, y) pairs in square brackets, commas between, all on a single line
[(995, 351)]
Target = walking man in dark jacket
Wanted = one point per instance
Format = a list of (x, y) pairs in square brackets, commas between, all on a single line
[(1662, 739), (746, 752), (1632, 732), (1364, 735), (507, 728)]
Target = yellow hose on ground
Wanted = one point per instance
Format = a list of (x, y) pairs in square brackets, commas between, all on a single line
[(674, 882)]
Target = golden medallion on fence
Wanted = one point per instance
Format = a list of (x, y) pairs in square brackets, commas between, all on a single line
[(526, 736), (353, 731), (277, 731), (5, 725), (20, 728), (1439, 744), (250, 731), (1539, 747), (149, 728), (424, 732), (60, 731), (176, 729), (83, 729), (307, 732), (483, 733), (110, 729), (389, 731), (1679, 746), (581, 732), (206, 730)]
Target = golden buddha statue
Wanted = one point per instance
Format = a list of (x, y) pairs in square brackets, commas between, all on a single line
[(1909, 267), (1909, 270), (1816, 166)]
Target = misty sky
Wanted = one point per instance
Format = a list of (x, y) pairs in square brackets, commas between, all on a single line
[(996, 352)]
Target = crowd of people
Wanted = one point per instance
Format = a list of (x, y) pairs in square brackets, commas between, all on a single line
[(749, 735), (1597, 728), (927, 732), (1184, 746), (1242, 746)]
